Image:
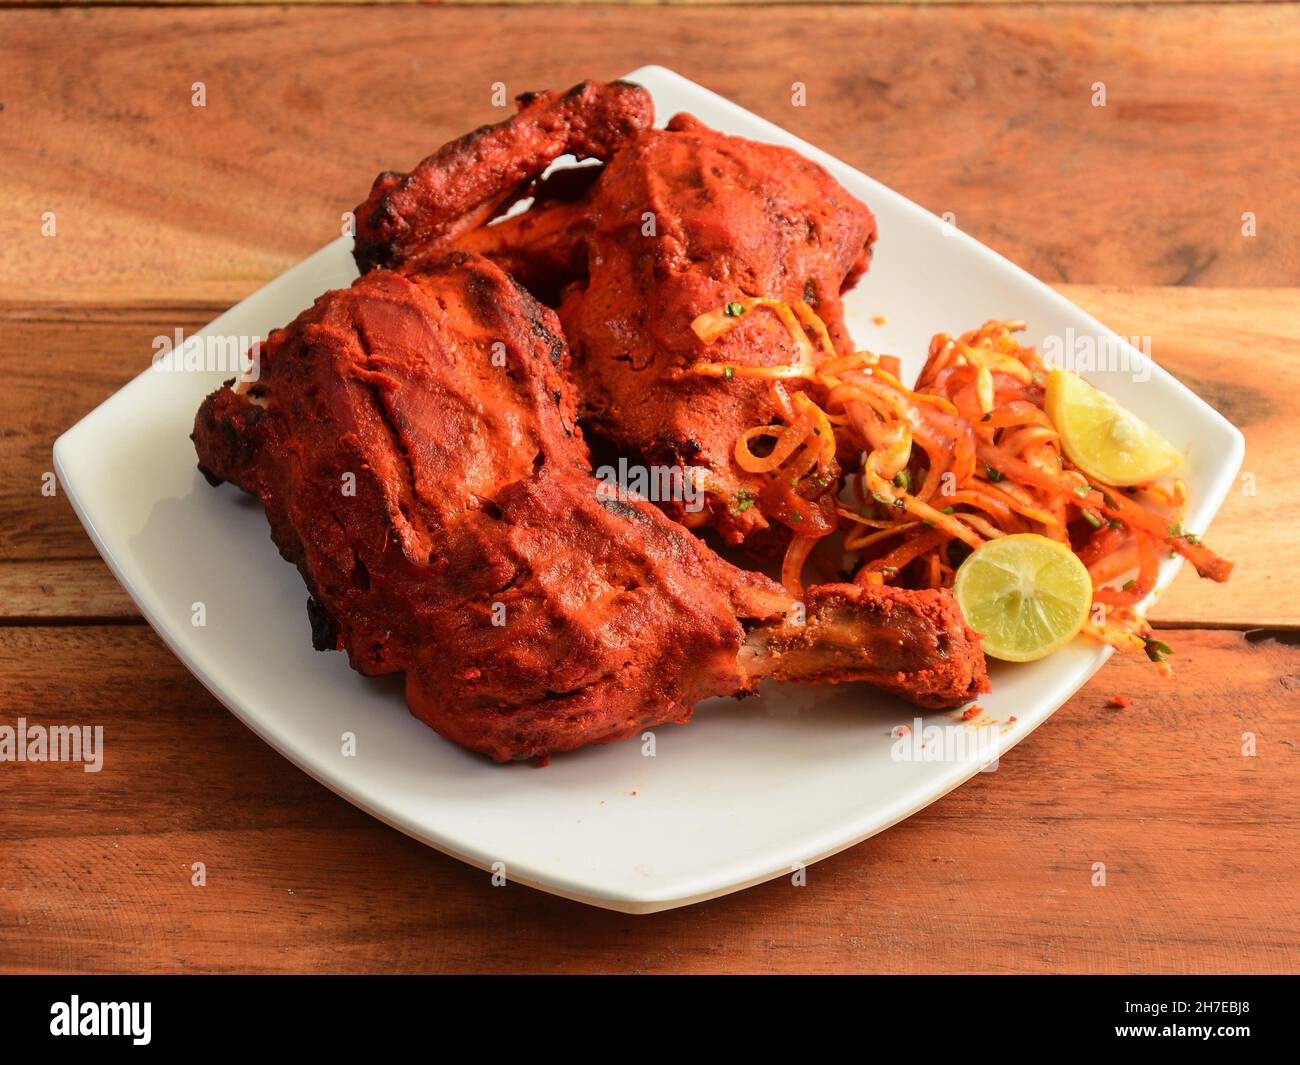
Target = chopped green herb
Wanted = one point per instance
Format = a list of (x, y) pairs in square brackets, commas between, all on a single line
[(1128, 586), (796, 518), (728, 372), (1114, 523), (994, 475), (1082, 491), (734, 310), (742, 501), (1093, 520), (949, 510), (1157, 651), (903, 480)]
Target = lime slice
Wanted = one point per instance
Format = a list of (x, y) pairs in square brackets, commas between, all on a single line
[(1107, 442), (1025, 594)]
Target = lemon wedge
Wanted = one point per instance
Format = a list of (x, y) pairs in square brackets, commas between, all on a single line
[(1107, 442), (1025, 594)]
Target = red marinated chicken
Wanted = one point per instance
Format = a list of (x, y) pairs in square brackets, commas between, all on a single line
[(681, 221), (412, 216), (413, 440), (731, 219)]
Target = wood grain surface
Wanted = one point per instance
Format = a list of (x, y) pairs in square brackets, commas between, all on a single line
[(559, 3), (985, 112), (167, 213), (1196, 839)]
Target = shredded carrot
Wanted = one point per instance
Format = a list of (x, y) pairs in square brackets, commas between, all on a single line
[(965, 456)]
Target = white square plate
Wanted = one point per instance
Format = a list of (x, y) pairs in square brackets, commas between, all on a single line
[(745, 793)]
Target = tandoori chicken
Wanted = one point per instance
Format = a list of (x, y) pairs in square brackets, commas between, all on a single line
[(678, 222), (414, 442)]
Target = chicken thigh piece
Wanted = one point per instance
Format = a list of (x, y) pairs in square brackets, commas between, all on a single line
[(686, 220), (413, 442)]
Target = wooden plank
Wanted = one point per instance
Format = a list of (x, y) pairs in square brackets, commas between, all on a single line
[(577, 3), (61, 361), (982, 111), (1239, 349), (1200, 846), (62, 589)]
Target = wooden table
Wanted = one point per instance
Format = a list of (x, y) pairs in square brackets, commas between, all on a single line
[(166, 213)]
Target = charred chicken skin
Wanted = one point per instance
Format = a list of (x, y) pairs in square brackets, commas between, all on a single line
[(415, 216), (413, 440), (681, 221)]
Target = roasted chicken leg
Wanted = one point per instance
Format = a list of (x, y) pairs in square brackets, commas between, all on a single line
[(414, 442)]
